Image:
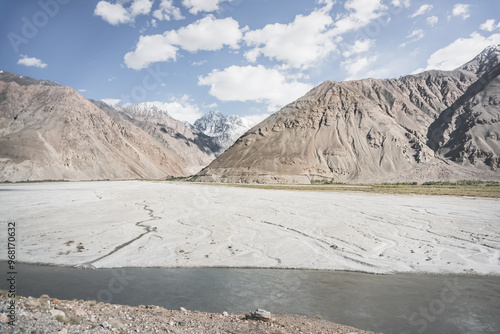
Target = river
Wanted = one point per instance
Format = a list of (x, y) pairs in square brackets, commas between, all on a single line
[(399, 303)]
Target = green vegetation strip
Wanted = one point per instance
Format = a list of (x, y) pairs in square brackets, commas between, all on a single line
[(459, 188)]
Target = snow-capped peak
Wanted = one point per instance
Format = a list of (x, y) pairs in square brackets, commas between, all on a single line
[(225, 129)]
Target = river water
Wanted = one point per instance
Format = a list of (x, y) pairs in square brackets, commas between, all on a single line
[(399, 304)]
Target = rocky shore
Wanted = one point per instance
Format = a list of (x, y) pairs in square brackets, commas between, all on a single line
[(50, 315)]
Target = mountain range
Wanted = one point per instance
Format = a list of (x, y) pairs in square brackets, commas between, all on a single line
[(48, 131), (435, 125)]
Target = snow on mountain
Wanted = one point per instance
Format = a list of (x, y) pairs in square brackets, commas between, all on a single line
[(225, 129)]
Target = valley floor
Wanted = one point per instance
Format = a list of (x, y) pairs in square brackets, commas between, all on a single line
[(165, 224)]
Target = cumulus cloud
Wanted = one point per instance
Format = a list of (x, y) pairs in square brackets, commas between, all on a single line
[(181, 109), (422, 10), (401, 3), (361, 12), (116, 13), (196, 6), (461, 10), (309, 39), (167, 11), (254, 83), (460, 51), (111, 102), (31, 61), (150, 49), (252, 120), (300, 44), (489, 25), (355, 67), (359, 46), (208, 34), (432, 20)]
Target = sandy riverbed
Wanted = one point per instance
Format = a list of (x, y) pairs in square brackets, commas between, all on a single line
[(143, 224)]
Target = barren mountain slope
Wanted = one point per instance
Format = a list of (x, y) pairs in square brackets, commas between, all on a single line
[(52, 132), (469, 131), (360, 131), (195, 150)]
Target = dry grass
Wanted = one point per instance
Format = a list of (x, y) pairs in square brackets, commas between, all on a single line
[(459, 188)]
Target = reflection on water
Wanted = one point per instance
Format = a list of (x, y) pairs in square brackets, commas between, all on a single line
[(400, 304)]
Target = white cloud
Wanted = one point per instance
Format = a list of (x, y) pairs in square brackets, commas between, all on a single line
[(489, 25), (432, 20), (167, 11), (422, 10), (111, 102), (356, 66), (300, 44), (361, 12), (415, 35), (208, 34), (401, 3), (112, 13), (211, 106), (254, 83), (27, 61), (309, 39), (462, 10), (418, 34), (359, 46), (198, 63), (196, 6), (252, 120), (180, 109), (140, 7), (460, 51), (150, 49), (116, 13), (82, 90)]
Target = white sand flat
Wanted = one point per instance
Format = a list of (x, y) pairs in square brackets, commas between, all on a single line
[(143, 224)]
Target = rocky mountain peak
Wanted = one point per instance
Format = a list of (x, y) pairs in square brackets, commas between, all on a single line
[(24, 81), (225, 129), (485, 61)]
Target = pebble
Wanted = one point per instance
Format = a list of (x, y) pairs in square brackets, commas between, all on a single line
[(182, 309), (261, 315), (63, 331), (105, 324), (225, 314), (56, 313)]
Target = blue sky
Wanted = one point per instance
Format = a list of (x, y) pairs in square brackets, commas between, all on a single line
[(244, 57)]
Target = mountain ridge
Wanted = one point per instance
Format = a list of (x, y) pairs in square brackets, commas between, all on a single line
[(371, 130), (52, 132)]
